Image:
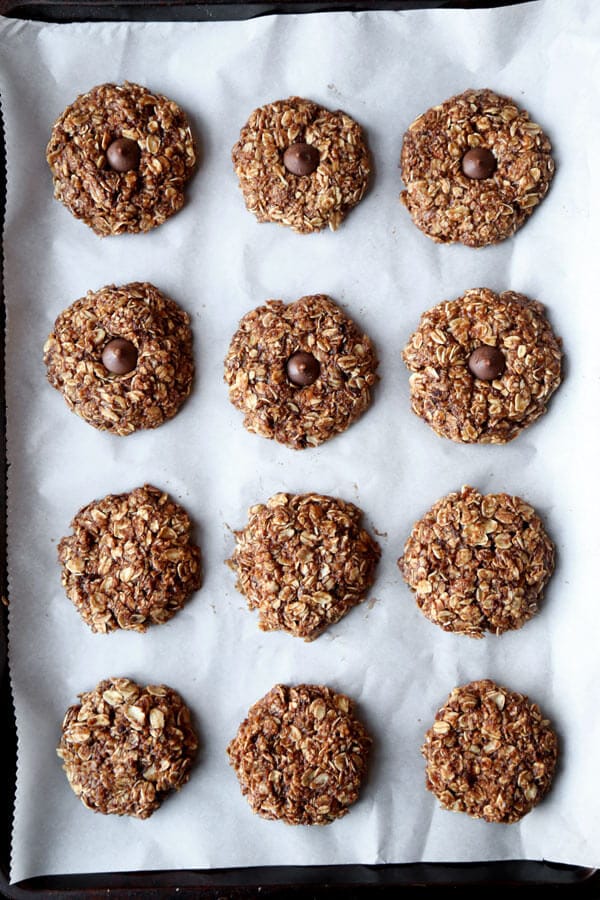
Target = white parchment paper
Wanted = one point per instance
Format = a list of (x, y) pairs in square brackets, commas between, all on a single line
[(217, 262)]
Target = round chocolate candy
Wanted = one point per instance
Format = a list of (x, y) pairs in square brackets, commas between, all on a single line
[(123, 155), (120, 356), (301, 159), (302, 368), (479, 163), (487, 363)]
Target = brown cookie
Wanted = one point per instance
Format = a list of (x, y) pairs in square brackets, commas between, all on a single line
[(120, 157), (302, 372), (122, 357), (301, 755), (301, 165), (475, 167), (125, 748), (130, 561), (490, 753), (303, 561), (478, 563), (484, 366)]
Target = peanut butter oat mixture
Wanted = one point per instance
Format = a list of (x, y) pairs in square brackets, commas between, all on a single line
[(478, 563), (130, 561), (300, 372), (490, 753), (125, 748), (301, 165), (475, 168), (120, 157), (303, 561), (484, 366), (122, 357), (301, 755)]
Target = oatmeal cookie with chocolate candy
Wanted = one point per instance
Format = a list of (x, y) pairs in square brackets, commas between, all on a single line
[(125, 747), (301, 165), (490, 753), (300, 372), (478, 562), (130, 561), (484, 366), (303, 561), (301, 755), (122, 357), (120, 157), (475, 168)]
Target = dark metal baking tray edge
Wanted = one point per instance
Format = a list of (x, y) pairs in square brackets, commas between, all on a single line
[(216, 884)]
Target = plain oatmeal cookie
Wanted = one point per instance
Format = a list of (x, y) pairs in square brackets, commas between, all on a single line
[(300, 372), (301, 165), (490, 753), (484, 366), (130, 561), (120, 157), (478, 562), (303, 561), (122, 357), (125, 747), (475, 168), (301, 755)]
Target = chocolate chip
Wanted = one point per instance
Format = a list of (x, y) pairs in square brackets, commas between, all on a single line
[(302, 368), (123, 155), (301, 159), (479, 163), (120, 356), (487, 363)]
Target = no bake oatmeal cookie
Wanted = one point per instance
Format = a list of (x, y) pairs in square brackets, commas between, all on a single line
[(300, 372), (120, 157), (303, 561), (131, 561), (490, 753), (484, 366), (122, 357), (478, 562), (125, 747), (301, 165), (475, 168), (301, 755)]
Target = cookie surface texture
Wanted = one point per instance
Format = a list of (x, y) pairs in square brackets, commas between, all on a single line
[(303, 561), (130, 561), (259, 362), (448, 388), (490, 753), (475, 168), (301, 754), (120, 157), (301, 165), (478, 562), (125, 747), (157, 331)]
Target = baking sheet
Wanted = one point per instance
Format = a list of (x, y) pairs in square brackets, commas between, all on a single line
[(217, 262)]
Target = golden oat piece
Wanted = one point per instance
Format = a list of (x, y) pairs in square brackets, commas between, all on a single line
[(303, 561), (301, 755), (130, 561), (484, 366), (490, 753), (478, 562), (120, 157), (125, 747), (475, 168), (122, 357), (301, 372), (301, 165)]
